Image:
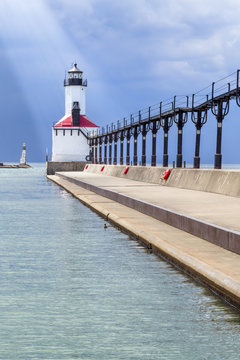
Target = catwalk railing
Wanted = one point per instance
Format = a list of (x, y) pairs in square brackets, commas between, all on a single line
[(215, 98)]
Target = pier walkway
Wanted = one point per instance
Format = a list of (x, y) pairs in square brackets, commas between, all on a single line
[(172, 222)]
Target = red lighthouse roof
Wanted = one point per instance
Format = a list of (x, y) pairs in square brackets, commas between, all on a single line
[(67, 121)]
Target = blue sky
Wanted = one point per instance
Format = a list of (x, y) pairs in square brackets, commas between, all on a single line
[(134, 53)]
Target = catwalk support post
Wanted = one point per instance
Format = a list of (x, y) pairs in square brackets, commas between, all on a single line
[(154, 126), (110, 140), (115, 137), (96, 151), (128, 136), (135, 131), (100, 149), (105, 148), (91, 149), (220, 109), (199, 120), (121, 146), (144, 130), (180, 118), (166, 123)]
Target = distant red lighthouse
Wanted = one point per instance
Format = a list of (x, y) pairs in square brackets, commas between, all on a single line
[(69, 135)]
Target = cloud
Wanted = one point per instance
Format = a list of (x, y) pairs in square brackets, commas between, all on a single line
[(134, 36), (133, 52), (31, 42)]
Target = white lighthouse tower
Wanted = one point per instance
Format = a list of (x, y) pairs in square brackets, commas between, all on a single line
[(69, 135)]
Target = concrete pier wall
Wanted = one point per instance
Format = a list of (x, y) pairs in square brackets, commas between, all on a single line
[(218, 235), (225, 182), (53, 166)]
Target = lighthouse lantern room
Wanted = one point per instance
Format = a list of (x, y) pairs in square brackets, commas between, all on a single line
[(70, 134)]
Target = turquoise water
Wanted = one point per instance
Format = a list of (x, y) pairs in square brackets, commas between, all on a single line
[(71, 289)]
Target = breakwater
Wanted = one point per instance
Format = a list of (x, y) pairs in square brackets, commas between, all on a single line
[(13, 166), (194, 209)]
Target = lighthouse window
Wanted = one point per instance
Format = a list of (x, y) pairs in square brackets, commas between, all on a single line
[(56, 132), (63, 132), (71, 133)]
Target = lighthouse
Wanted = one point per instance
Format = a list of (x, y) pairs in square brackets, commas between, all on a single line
[(70, 133)]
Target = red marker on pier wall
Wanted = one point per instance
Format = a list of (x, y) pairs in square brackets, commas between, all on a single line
[(166, 174)]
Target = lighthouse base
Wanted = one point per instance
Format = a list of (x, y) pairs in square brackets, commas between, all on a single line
[(69, 157), (69, 144), (53, 166)]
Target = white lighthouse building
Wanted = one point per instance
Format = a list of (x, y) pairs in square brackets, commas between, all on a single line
[(69, 135)]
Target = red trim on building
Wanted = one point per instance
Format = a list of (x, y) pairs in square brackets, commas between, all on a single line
[(66, 121)]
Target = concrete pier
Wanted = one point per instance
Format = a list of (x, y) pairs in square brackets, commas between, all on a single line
[(173, 222), (12, 166), (53, 166)]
